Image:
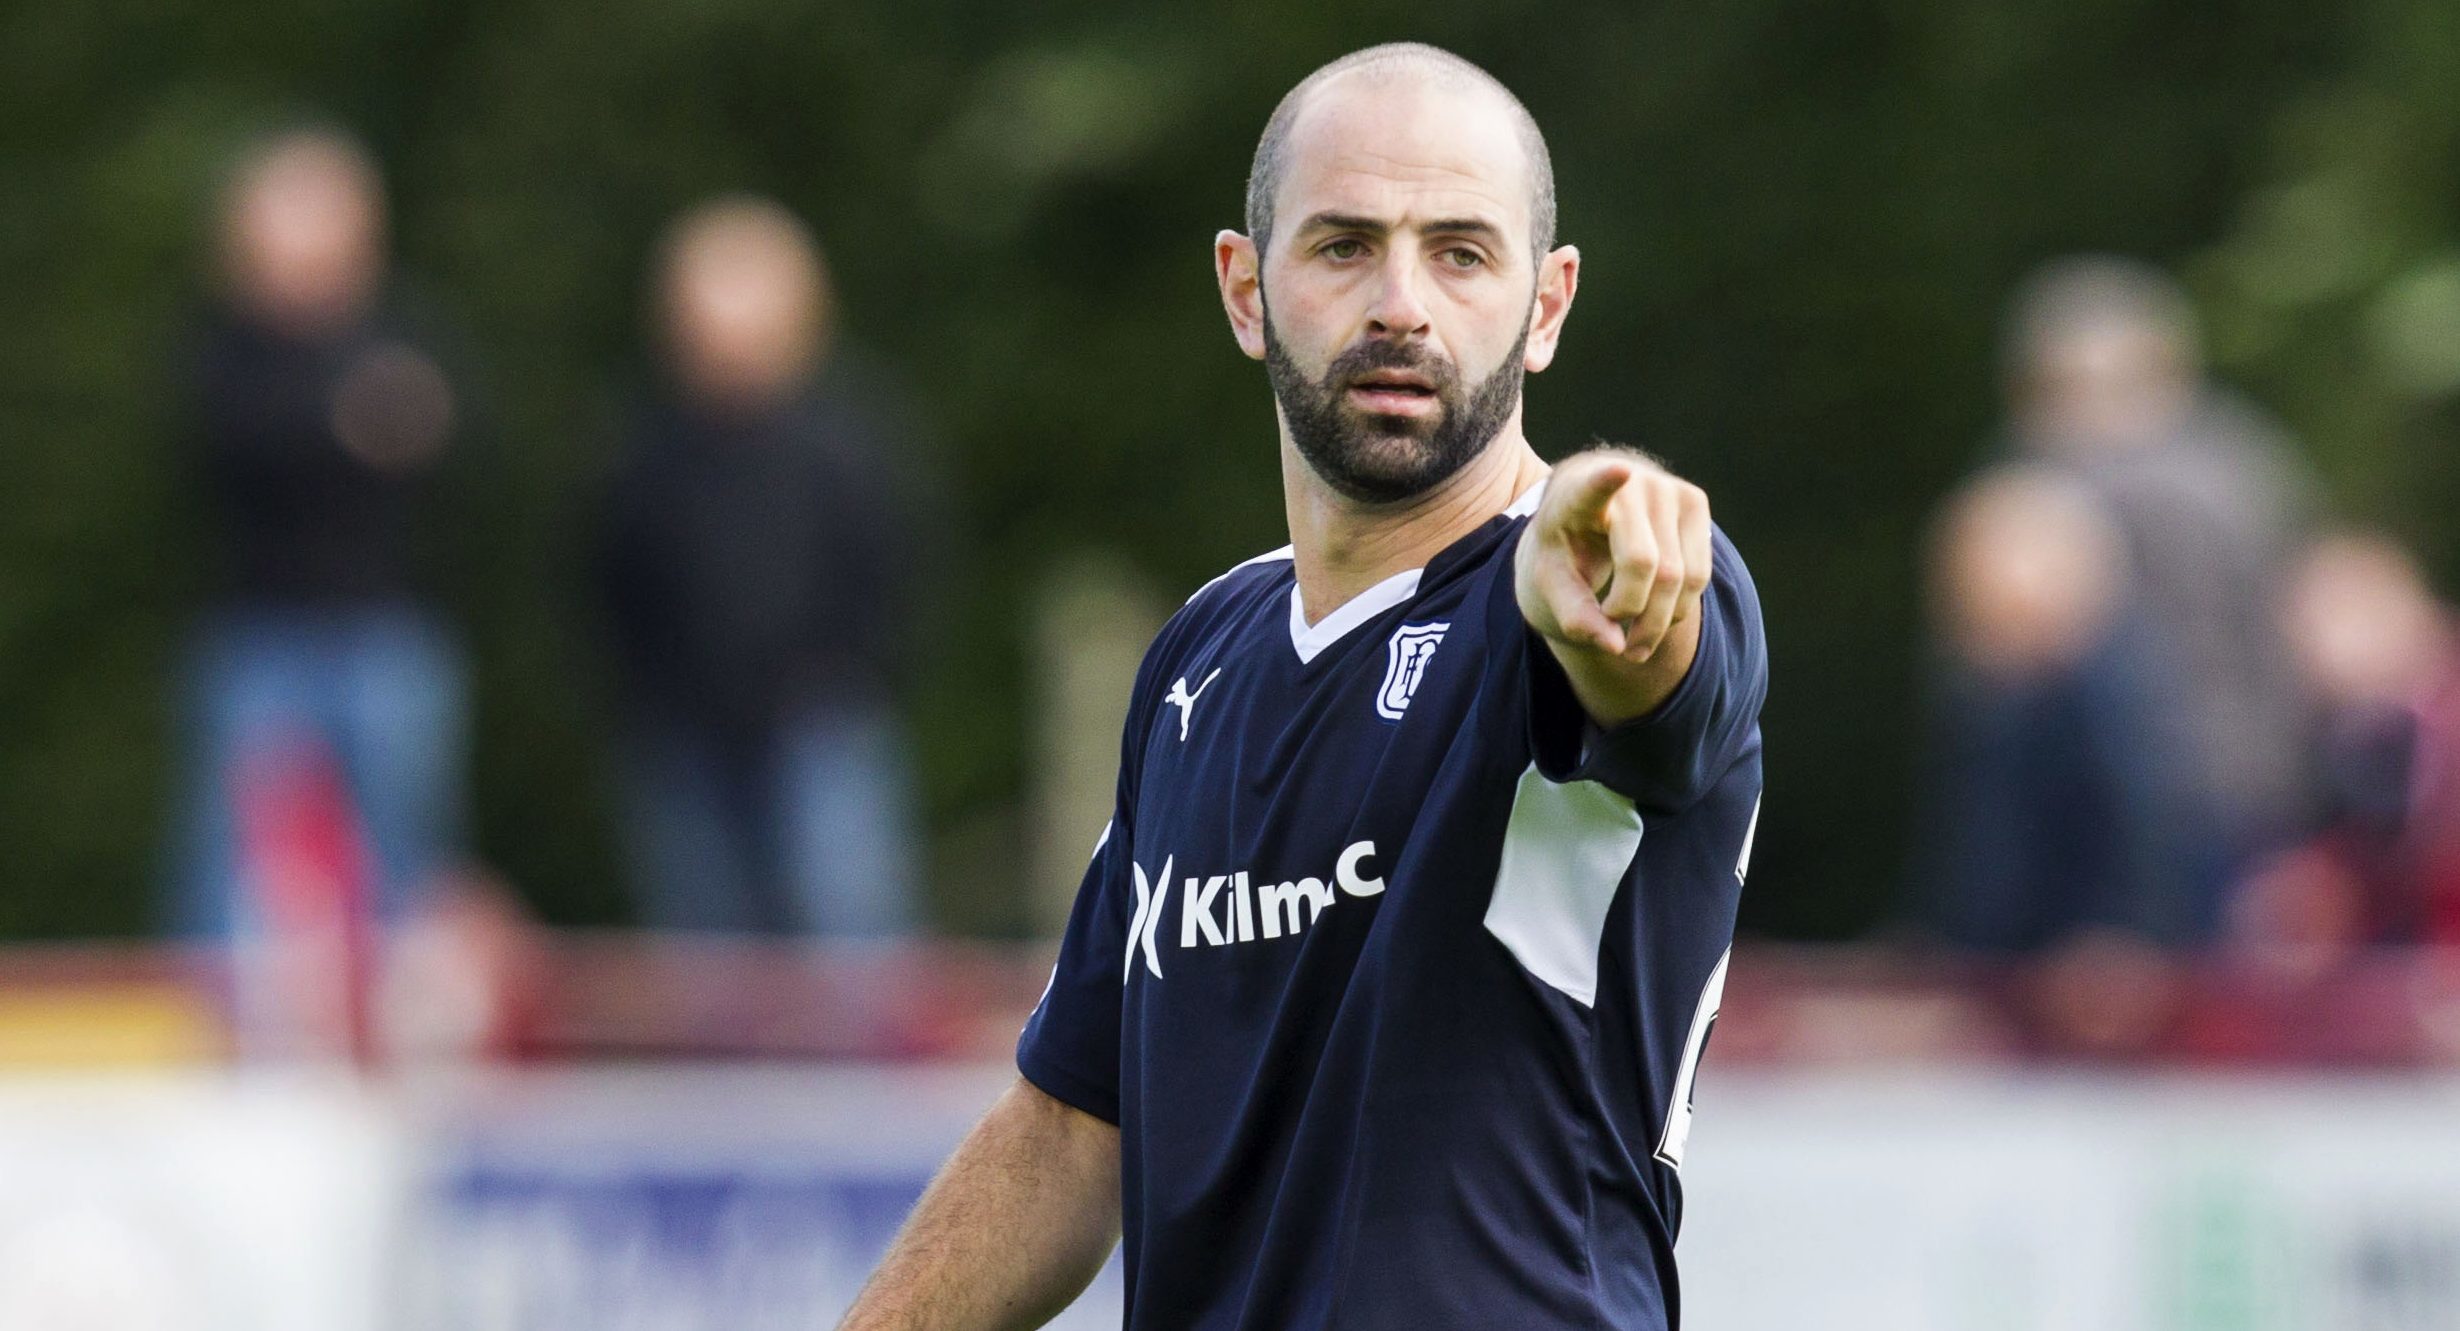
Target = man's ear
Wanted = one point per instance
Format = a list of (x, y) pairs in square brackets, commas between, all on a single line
[(1235, 268), (1558, 280)]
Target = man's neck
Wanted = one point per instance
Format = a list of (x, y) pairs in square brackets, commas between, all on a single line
[(1341, 547)]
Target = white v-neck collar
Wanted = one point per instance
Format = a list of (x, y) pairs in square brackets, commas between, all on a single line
[(1310, 640)]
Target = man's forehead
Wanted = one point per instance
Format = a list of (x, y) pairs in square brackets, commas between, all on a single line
[(1407, 143)]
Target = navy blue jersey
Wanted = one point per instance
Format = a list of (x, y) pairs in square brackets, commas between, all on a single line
[(1392, 968)]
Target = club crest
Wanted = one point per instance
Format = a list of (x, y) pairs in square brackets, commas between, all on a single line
[(1405, 662)]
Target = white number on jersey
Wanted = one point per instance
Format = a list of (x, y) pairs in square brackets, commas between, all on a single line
[(1703, 1020)]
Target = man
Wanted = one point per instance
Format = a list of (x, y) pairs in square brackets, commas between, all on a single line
[(320, 421), (1382, 997), (2049, 819), (752, 599)]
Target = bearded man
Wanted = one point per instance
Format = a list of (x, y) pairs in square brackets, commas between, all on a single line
[(1383, 995)]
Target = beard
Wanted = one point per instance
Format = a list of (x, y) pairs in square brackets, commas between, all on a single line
[(1376, 457)]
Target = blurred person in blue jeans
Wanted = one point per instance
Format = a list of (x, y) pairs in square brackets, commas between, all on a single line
[(750, 566), (318, 413)]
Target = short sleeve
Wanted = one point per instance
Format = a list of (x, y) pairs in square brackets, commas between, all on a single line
[(1669, 758), (1070, 1048)]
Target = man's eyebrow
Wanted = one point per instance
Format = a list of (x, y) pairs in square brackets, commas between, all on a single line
[(1329, 221), (1476, 228)]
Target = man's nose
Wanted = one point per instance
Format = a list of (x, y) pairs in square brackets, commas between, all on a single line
[(1399, 313)]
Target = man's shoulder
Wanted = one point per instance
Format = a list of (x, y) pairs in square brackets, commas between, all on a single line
[(1228, 596), (1217, 607), (1245, 575)]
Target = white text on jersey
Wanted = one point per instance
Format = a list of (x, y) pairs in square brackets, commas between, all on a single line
[(1220, 909)]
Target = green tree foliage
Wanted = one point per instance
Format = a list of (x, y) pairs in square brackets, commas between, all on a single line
[(1798, 222)]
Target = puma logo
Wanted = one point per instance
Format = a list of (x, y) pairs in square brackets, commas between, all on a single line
[(1185, 701)]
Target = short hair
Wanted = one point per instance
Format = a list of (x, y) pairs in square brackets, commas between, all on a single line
[(1390, 59), (2086, 292)]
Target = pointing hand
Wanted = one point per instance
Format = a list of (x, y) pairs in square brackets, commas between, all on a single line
[(1616, 556)]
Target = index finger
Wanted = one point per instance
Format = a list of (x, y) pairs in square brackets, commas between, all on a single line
[(1590, 497)]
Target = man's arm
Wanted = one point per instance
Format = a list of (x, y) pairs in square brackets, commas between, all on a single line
[(1610, 573), (1016, 1225)]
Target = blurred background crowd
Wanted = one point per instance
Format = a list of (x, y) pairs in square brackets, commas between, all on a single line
[(714, 473), (2177, 704), (747, 567)]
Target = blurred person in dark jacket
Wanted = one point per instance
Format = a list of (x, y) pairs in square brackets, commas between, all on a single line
[(318, 414), (2050, 814), (750, 564), (2380, 655), (2056, 823)]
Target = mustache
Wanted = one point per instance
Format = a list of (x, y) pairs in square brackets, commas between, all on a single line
[(1370, 356)]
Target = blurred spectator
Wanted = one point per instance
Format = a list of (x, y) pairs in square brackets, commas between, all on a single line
[(2381, 658), (2053, 811), (751, 557), (326, 700), (2105, 383)]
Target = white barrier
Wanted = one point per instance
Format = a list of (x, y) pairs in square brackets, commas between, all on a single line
[(195, 1204), (678, 1199), (1974, 1202)]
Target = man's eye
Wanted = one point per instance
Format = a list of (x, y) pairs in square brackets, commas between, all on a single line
[(1344, 249), (1464, 258)]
